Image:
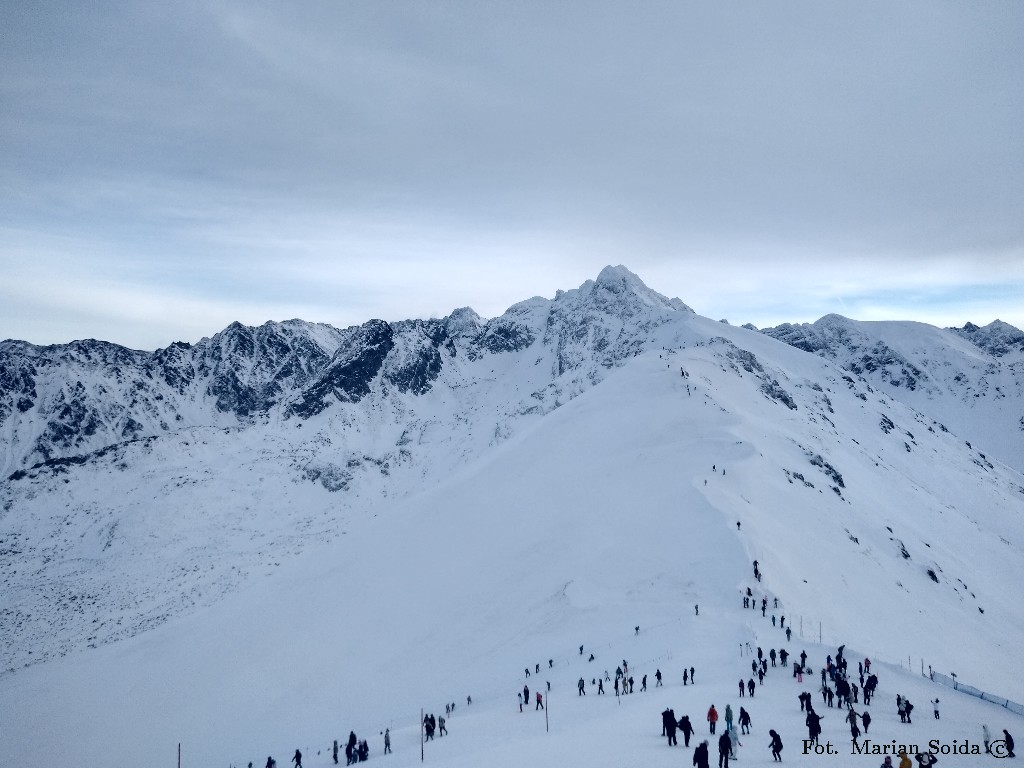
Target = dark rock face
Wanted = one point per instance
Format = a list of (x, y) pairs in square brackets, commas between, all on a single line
[(77, 397), (17, 380), (173, 366), (349, 374), (997, 338), (249, 369), (505, 334), (841, 340), (417, 362)]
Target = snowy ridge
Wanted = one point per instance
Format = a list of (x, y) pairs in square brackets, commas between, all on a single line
[(446, 501)]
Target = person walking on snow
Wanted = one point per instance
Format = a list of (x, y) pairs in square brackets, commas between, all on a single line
[(700, 755), (687, 728), (724, 747), (935, 707), (712, 717), (775, 746), (297, 759), (540, 702), (744, 721), (813, 723)]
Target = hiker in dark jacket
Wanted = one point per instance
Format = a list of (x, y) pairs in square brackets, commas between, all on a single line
[(700, 755), (813, 722), (724, 748), (670, 727), (776, 746), (687, 728), (744, 721)]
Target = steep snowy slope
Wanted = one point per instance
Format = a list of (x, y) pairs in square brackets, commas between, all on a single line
[(971, 379)]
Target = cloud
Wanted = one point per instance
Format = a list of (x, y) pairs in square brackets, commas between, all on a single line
[(359, 160)]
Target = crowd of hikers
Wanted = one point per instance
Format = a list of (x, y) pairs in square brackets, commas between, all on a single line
[(839, 689)]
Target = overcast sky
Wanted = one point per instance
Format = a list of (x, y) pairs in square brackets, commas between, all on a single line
[(167, 168)]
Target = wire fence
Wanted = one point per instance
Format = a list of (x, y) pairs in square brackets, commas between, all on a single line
[(970, 690)]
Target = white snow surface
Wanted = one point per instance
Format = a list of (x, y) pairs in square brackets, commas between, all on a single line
[(247, 591)]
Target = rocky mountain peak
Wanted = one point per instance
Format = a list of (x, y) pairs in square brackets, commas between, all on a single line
[(463, 322), (617, 288), (997, 338)]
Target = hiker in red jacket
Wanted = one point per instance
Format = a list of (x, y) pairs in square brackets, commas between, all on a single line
[(712, 717)]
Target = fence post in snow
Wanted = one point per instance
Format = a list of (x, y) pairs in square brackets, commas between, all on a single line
[(421, 734), (546, 708)]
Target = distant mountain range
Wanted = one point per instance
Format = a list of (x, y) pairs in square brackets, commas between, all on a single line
[(65, 401)]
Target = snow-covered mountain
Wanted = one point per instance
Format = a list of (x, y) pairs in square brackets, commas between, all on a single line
[(64, 401), (244, 543), (970, 378)]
